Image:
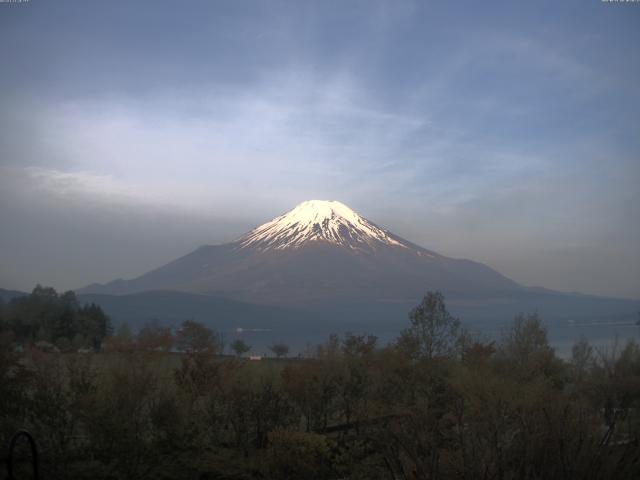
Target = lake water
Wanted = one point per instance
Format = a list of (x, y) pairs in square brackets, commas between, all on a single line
[(562, 336)]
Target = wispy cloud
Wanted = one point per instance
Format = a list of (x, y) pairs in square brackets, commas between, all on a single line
[(291, 133), (82, 185), (472, 133)]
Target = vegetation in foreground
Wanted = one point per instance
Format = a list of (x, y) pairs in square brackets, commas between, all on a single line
[(437, 403)]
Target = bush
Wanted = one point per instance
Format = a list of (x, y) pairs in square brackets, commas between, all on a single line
[(297, 455)]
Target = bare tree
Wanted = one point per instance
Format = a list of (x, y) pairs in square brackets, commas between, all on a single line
[(434, 332), (194, 337)]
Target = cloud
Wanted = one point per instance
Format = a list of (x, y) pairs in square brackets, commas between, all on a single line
[(507, 130), (83, 186), (294, 133)]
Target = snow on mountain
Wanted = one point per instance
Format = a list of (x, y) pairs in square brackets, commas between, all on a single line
[(318, 221), (322, 262), (321, 251)]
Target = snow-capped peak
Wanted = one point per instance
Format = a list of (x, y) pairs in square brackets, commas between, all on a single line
[(318, 221)]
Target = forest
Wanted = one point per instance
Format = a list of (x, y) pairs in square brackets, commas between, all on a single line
[(439, 402)]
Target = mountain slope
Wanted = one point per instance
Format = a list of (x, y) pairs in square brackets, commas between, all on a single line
[(322, 268), (8, 295), (319, 221), (318, 252)]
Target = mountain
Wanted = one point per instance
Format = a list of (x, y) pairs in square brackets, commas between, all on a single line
[(319, 252), (7, 295), (322, 268)]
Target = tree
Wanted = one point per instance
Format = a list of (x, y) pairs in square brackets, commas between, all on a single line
[(7, 337), (63, 344), (122, 341), (434, 332), (582, 359), (45, 314), (69, 300), (240, 347), (358, 345), (525, 350), (280, 349), (616, 378), (79, 341), (330, 348), (311, 385), (65, 326), (154, 336), (45, 293), (194, 337), (94, 323), (294, 455)]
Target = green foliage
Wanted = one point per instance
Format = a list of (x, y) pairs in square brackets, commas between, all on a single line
[(45, 315), (240, 347)]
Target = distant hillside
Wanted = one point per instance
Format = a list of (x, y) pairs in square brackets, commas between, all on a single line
[(569, 317), (319, 253), (301, 325), (7, 295), (172, 308)]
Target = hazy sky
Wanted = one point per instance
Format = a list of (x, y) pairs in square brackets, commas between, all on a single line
[(132, 132)]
